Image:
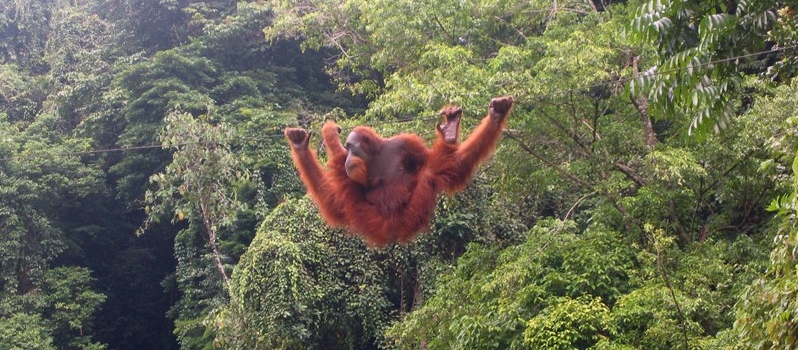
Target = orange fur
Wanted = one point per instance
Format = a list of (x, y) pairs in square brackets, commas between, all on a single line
[(396, 204), (359, 173)]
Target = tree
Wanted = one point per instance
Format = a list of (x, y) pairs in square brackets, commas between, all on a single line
[(70, 307), (24, 332), (26, 25), (302, 286), (43, 183), (507, 298), (198, 186), (151, 25), (765, 311), (705, 48)]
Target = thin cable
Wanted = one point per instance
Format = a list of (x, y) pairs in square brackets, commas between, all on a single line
[(81, 153), (409, 119), (133, 148)]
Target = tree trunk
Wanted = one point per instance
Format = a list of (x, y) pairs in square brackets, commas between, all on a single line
[(418, 300), (211, 229), (641, 103)]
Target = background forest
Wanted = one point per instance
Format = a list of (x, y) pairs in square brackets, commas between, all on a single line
[(643, 195)]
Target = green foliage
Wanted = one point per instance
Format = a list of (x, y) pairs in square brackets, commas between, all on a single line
[(785, 35), (90, 68), (171, 81), (704, 48), (37, 195), (507, 299), (71, 305), (700, 190), (199, 187), (642, 238), (80, 55), (24, 27), (149, 26), (766, 310), (568, 324), (36, 198), (559, 290), (425, 51), (22, 331), (197, 184), (684, 297), (324, 23), (301, 286), (20, 94)]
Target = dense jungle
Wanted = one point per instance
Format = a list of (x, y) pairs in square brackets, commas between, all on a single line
[(642, 195)]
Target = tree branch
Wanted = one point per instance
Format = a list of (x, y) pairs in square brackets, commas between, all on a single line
[(614, 200), (210, 227), (546, 161), (630, 173), (641, 104)]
